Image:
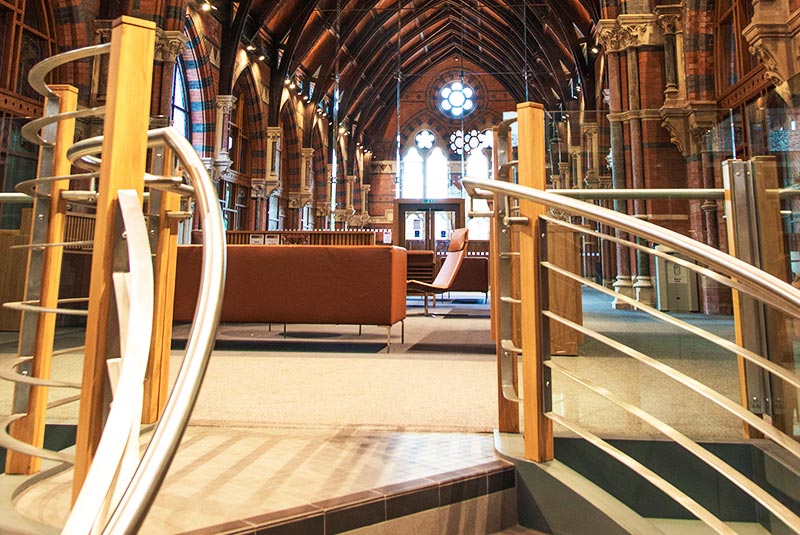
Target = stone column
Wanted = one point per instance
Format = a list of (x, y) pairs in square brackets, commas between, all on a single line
[(576, 167), (348, 193), (642, 283), (622, 283), (364, 203), (564, 175), (592, 176), (307, 170), (222, 161), (670, 20), (273, 180)]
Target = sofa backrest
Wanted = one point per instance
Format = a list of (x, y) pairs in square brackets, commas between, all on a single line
[(301, 284)]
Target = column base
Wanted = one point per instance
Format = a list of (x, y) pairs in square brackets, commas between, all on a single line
[(622, 286), (645, 293)]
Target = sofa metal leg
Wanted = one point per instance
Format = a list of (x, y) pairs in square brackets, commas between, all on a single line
[(359, 329), (388, 338), (426, 303), (402, 331)]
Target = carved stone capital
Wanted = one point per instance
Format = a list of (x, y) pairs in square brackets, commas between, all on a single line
[(307, 153), (343, 214), (298, 200), (670, 18), (102, 31), (208, 163), (358, 220), (258, 188), (274, 133), (589, 129), (169, 45), (628, 31), (365, 188), (688, 125), (226, 104), (774, 37)]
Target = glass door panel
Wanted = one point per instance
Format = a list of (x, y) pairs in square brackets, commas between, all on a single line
[(444, 222), (416, 235), (426, 225)]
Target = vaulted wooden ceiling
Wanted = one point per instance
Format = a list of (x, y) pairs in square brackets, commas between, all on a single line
[(550, 37)]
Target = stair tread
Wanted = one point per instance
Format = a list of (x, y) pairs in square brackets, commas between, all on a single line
[(696, 527), (518, 530)]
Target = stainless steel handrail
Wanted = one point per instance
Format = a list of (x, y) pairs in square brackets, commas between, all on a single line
[(30, 130), (30, 187), (134, 292), (723, 468), (786, 375), (656, 480), (138, 496), (735, 273), (709, 393), (38, 73), (655, 193), (744, 277), (11, 197)]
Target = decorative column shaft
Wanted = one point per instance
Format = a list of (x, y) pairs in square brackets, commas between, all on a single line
[(670, 21), (364, 194), (222, 161), (348, 192), (642, 284), (273, 180), (623, 283), (307, 170)]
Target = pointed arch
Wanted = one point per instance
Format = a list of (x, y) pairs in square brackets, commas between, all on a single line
[(197, 64), (320, 170), (247, 95), (290, 147)]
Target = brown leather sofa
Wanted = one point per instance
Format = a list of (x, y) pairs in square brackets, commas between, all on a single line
[(307, 284)]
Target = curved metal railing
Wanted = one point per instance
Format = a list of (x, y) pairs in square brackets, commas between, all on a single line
[(120, 487), (705, 261), (132, 504), (138, 495)]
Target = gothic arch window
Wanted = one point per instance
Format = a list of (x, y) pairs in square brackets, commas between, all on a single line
[(181, 111), (478, 166), (424, 170), (25, 39), (733, 59), (234, 191)]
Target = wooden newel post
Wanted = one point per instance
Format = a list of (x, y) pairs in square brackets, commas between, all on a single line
[(124, 153), (156, 383), (31, 428), (538, 429)]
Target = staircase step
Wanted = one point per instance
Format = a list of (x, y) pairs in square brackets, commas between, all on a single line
[(518, 530), (695, 527)]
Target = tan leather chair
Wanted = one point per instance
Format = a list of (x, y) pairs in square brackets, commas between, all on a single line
[(456, 252)]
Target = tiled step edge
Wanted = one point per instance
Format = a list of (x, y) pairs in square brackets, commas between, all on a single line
[(370, 507)]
